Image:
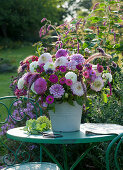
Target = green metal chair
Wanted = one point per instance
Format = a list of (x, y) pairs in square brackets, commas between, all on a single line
[(13, 113), (118, 141)]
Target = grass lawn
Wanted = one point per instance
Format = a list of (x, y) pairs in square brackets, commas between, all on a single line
[(15, 55)]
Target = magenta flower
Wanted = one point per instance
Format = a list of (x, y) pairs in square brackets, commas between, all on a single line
[(88, 66), (68, 82), (86, 74), (78, 58), (79, 67), (53, 78), (49, 99), (61, 53), (62, 69), (40, 68), (62, 80), (99, 68), (57, 90), (40, 86)]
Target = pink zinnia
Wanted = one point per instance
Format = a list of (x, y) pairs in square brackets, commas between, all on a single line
[(99, 68), (86, 74), (62, 80), (40, 86), (53, 78), (61, 53), (68, 82), (49, 99), (62, 69)]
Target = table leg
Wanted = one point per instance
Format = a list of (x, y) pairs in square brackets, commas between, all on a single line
[(65, 157), (51, 156), (82, 156)]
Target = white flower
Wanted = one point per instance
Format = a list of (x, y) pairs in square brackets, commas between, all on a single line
[(77, 89), (98, 84), (107, 76), (44, 58), (21, 82), (32, 88), (72, 76), (49, 65), (61, 61), (33, 66)]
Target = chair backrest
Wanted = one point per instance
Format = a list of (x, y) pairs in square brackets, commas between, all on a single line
[(13, 113)]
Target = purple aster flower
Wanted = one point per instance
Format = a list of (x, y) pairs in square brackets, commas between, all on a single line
[(57, 90), (79, 67), (40, 86), (49, 99), (78, 58), (99, 68), (49, 71), (92, 75), (53, 78), (62, 69), (61, 53), (68, 82), (62, 80), (88, 66)]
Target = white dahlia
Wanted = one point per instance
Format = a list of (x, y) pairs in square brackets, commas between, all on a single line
[(21, 82), (32, 88), (107, 76), (98, 84), (49, 65), (44, 58), (61, 61), (33, 66), (72, 76), (77, 89)]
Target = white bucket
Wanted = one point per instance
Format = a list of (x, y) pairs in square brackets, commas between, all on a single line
[(67, 118)]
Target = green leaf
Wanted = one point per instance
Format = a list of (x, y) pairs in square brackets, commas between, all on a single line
[(99, 9), (104, 97)]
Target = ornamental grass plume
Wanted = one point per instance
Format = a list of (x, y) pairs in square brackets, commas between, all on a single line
[(97, 55)]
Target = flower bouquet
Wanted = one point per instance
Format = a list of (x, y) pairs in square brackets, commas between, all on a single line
[(62, 78)]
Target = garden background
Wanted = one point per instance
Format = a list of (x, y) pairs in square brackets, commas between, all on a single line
[(20, 23)]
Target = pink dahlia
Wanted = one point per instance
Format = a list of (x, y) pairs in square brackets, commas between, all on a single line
[(68, 82), (61, 53), (40, 86), (62, 80), (53, 78), (57, 90), (49, 99)]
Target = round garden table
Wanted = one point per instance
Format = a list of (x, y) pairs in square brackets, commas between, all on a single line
[(89, 133)]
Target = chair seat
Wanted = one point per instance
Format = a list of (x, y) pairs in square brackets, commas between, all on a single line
[(34, 166)]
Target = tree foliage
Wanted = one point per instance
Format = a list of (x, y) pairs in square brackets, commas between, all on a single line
[(21, 19)]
